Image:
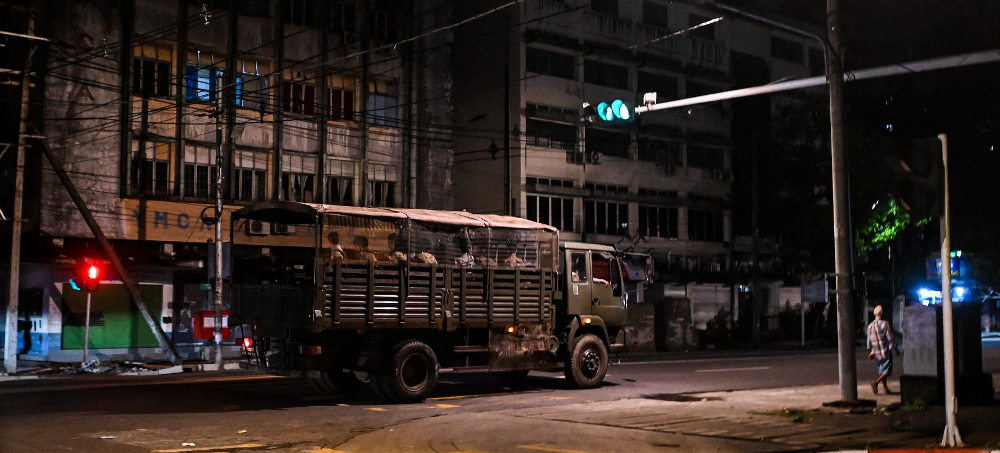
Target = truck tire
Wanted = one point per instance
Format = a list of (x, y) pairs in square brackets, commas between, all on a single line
[(588, 362), (336, 381), (411, 376)]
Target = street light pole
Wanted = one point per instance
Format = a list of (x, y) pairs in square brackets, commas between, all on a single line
[(841, 219)]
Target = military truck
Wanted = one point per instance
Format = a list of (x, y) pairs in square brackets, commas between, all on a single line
[(393, 296)]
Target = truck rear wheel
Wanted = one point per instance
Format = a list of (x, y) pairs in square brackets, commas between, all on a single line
[(412, 374), (588, 362)]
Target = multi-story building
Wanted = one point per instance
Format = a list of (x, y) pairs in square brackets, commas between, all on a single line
[(304, 100), (661, 184)]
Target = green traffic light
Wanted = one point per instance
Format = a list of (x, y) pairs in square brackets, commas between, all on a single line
[(618, 110)]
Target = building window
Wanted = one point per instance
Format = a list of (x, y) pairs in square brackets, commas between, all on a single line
[(608, 143), (609, 7), (706, 157), (249, 176), (605, 74), (706, 32), (199, 172), (644, 192), (658, 222), (340, 182), (705, 225), (151, 168), (550, 210), (550, 135), (341, 16), (550, 63), (383, 193), (203, 77), (605, 189), (602, 217), (381, 185), (298, 176), (548, 182), (298, 98), (661, 152), (655, 14), (301, 12), (341, 98), (663, 85), (787, 50), (256, 8), (150, 78), (382, 103), (252, 85)]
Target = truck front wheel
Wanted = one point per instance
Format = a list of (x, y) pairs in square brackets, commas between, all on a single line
[(412, 373), (588, 362)]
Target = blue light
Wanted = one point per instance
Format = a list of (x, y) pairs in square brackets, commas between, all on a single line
[(605, 112), (960, 293)]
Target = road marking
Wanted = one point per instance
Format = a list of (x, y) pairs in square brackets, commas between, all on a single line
[(445, 406), (222, 447), (543, 447), (377, 409), (718, 370)]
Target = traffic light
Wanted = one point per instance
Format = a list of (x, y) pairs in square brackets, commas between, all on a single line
[(920, 189), (617, 111), (88, 276)]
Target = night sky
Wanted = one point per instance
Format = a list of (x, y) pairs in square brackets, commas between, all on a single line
[(963, 103)]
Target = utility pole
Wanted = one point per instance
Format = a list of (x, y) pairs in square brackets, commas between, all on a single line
[(507, 201), (10, 334), (841, 226)]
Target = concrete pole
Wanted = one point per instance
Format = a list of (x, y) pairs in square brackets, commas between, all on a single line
[(841, 227), (10, 334), (951, 437)]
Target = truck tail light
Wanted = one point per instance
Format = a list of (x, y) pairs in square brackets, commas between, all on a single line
[(248, 343)]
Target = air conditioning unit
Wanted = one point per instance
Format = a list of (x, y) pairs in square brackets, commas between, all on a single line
[(718, 175), (257, 228), (282, 228), (594, 158), (351, 37)]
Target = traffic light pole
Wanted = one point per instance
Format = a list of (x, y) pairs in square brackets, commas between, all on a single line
[(86, 330)]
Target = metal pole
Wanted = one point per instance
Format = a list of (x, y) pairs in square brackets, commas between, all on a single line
[(218, 242), (802, 310), (10, 334), (951, 437), (841, 229), (130, 285), (86, 331), (953, 61)]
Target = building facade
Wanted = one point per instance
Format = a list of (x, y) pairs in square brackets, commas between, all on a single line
[(661, 183), (142, 102)]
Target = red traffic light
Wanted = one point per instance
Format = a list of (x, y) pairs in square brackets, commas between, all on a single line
[(93, 272), (89, 276)]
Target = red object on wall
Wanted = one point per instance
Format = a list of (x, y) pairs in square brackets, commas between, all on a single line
[(204, 325)]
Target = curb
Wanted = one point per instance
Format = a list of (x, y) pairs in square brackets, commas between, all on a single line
[(922, 450)]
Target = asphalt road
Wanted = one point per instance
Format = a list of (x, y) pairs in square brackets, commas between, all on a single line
[(242, 411)]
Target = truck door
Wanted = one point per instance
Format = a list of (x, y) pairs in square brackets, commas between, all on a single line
[(578, 287), (607, 288)]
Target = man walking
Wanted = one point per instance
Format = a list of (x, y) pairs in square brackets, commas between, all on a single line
[(880, 346)]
